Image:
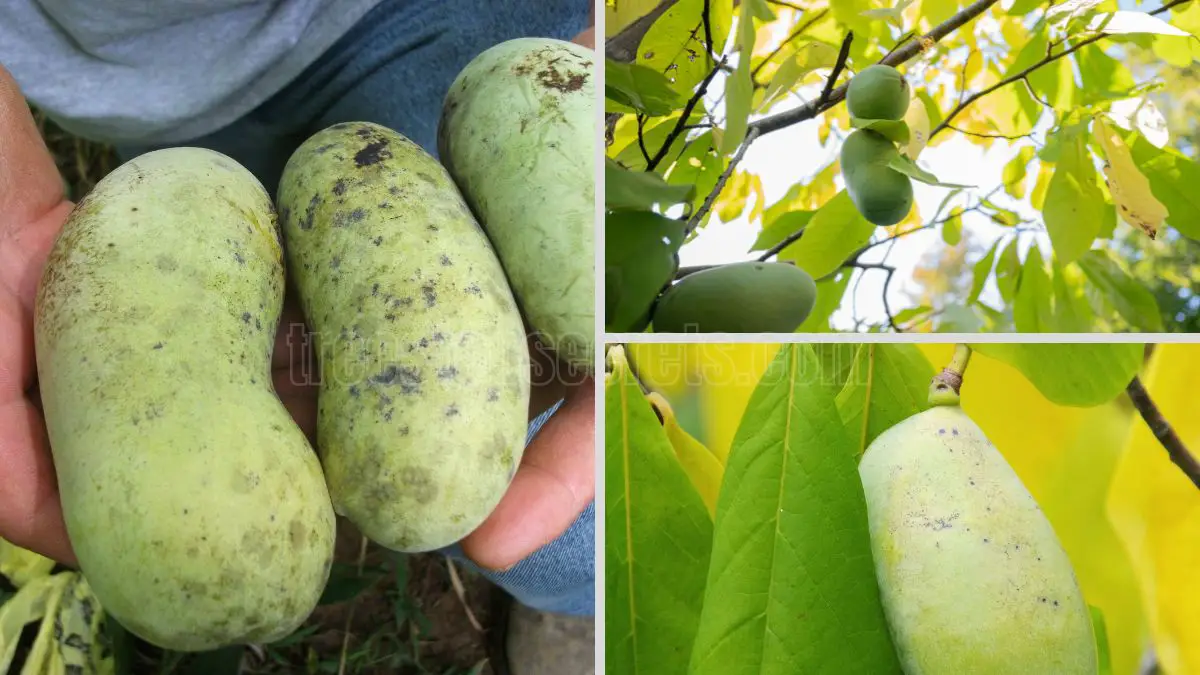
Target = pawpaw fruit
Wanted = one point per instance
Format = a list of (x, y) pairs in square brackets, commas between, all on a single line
[(424, 365), (879, 92), (972, 576), (195, 505), (747, 297), (881, 194)]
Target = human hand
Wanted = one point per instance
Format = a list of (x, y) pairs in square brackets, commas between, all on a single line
[(33, 209)]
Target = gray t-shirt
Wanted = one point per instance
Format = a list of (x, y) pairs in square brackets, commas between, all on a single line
[(140, 72)]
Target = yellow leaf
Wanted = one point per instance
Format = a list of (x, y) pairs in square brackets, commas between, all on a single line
[(1136, 204), (917, 119), (1066, 458), (37, 599), (21, 566), (700, 465), (1156, 512)]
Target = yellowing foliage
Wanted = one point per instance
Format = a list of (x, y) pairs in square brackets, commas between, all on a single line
[(1130, 190)]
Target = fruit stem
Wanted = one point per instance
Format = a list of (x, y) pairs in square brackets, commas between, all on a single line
[(944, 388)]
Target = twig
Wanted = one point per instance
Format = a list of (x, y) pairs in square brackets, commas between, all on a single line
[(795, 34), (1016, 137), (641, 127), (624, 45), (684, 117), (810, 110), (461, 592), (716, 191), (708, 35), (1163, 431), (838, 65), (1022, 75)]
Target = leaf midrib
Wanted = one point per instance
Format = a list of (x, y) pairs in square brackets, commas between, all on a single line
[(787, 435), (628, 522)]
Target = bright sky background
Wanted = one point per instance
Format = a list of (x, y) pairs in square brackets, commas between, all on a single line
[(794, 154)]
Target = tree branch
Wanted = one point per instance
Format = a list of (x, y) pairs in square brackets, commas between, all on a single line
[(838, 66), (682, 123), (1048, 58), (716, 191), (810, 110), (624, 45), (708, 40), (1163, 431)]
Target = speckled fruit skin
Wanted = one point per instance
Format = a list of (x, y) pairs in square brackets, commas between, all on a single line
[(518, 134), (194, 503), (424, 364), (972, 576), (879, 92), (881, 194), (749, 297)]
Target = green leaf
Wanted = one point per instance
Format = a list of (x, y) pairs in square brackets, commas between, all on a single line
[(1100, 630), (674, 46), (906, 166), (1081, 375), (739, 87), (1173, 180), (640, 259), (658, 537), (836, 230), (1014, 172), (1074, 209), (640, 88), (807, 58), (1129, 297), (888, 384), (698, 166), (625, 189), (1008, 271), (1072, 311), (982, 269), (791, 576), (836, 359), (1032, 312), (952, 230), (829, 297), (894, 130), (783, 227), (345, 583)]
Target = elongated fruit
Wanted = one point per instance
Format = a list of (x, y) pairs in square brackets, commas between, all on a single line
[(518, 135), (194, 503), (972, 576), (748, 297), (879, 92), (424, 365)]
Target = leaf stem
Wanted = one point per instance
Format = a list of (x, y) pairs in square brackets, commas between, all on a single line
[(1163, 431), (944, 390)]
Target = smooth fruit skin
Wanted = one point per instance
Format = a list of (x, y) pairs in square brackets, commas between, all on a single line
[(881, 194), (194, 503), (879, 92), (423, 360), (518, 133), (972, 576), (749, 297)]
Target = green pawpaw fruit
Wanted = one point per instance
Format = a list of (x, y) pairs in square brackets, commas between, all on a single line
[(423, 359), (881, 194), (972, 576), (748, 297), (879, 92), (194, 503)]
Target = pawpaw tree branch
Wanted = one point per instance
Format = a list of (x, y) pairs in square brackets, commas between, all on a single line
[(1163, 431), (1024, 74), (623, 46), (706, 206), (682, 123)]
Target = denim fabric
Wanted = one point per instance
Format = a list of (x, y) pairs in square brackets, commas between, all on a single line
[(394, 68)]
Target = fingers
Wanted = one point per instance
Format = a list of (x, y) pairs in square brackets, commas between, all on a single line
[(556, 481), (32, 204), (30, 512)]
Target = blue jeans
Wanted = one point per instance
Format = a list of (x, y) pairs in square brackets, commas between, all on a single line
[(394, 68)]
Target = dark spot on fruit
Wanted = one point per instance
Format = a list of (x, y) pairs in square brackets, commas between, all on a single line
[(424, 342), (310, 213), (363, 132), (245, 317), (430, 295), (493, 394), (134, 209), (426, 177), (445, 260), (941, 432), (357, 215), (158, 345), (339, 187), (431, 227), (377, 240), (385, 205), (372, 153), (257, 324), (389, 316), (408, 378), (404, 430), (474, 289), (439, 337), (394, 190), (551, 78), (324, 148), (297, 534), (419, 483), (452, 410), (447, 373), (336, 262), (374, 289)]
